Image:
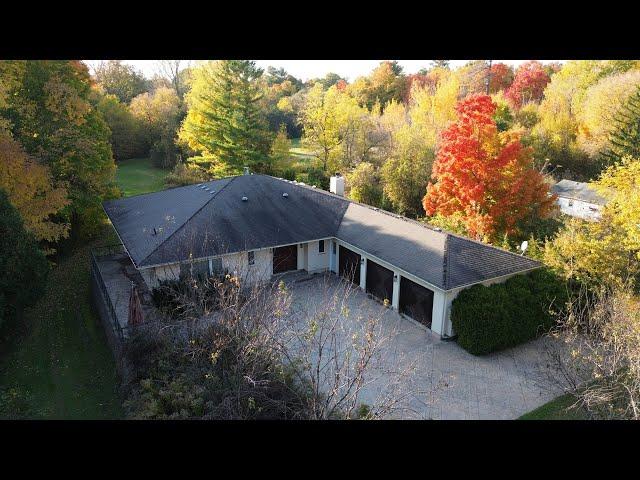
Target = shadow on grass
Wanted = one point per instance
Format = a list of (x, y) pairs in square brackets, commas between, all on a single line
[(58, 365)]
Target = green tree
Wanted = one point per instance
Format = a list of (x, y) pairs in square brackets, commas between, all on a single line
[(406, 173), (364, 184), (160, 114), (50, 112), (602, 105), (121, 80), (624, 137), (224, 121), (280, 149), (23, 267), (128, 136), (321, 123)]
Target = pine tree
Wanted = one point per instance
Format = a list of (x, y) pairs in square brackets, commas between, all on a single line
[(624, 138), (224, 121)]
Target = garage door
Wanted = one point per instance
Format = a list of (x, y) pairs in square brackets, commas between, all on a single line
[(416, 301), (379, 281), (349, 264), (285, 259)]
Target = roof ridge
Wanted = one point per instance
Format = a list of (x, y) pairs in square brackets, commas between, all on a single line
[(424, 225), (231, 179)]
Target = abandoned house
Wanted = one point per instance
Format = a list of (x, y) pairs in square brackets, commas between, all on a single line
[(258, 227), (578, 199)]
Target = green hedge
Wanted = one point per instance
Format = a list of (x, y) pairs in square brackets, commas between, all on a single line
[(488, 319)]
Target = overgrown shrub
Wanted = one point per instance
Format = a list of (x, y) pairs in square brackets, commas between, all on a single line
[(182, 175), (314, 176), (191, 297), (164, 154), (230, 368), (488, 319)]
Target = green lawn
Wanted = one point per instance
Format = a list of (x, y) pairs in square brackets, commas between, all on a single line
[(299, 151), (58, 365), (138, 175), (557, 409)]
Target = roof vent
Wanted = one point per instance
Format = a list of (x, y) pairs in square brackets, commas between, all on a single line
[(244, 199), (285, 194)]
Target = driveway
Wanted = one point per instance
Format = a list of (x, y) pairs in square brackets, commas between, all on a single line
[(436, 379)]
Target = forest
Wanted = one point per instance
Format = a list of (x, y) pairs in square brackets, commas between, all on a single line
[(473, 150)]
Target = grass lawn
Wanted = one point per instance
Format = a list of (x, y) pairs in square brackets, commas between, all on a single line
[(58, 365), (138, 175), (557, 409), (299, 151)]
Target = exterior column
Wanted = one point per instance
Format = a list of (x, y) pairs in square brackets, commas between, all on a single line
[(363, 273), (395, 301)]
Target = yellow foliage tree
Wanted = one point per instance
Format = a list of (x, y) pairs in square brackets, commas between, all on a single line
[(607, 251), (602, 101), (29, 187), (620, 185)]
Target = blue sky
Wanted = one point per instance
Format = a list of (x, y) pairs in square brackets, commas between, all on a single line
[(305, 69)]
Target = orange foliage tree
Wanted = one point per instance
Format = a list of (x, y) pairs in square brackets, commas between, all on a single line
[(485, 177)]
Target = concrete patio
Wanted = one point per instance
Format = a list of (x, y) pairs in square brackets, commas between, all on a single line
[(437, 379)]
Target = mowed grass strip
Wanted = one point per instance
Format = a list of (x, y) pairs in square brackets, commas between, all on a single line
[(59, 366), (139, 175)]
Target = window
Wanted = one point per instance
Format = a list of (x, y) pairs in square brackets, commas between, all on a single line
[(252, 258), (321, 246), (334, 247), (215, 266)]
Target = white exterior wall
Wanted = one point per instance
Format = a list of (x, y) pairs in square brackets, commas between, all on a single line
[(302, 256), (238, 265), (579, 208), (311, 260), (316, 261)]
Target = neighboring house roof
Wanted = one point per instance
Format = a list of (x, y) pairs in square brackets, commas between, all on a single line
[(577, 191), (193, 221)]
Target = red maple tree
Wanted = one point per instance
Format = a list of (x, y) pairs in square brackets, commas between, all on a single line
[(529, 84), (486, 175), (501, 77)]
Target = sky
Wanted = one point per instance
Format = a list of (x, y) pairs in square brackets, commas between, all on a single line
[(306, 69)]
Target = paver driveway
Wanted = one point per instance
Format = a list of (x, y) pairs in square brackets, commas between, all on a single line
[(439, 380)]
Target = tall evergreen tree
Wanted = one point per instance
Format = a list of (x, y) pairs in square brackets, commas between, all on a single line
[(624, 139), (224, 121)]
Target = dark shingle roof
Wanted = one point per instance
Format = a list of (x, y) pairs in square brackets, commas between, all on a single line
[(196, 222), (578, 191)]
